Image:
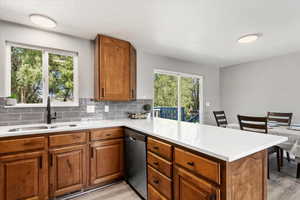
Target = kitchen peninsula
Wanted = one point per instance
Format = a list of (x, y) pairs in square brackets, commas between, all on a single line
[(185, 161)]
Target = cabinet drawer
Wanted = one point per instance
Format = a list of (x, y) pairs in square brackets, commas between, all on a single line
[(107, 133), (67, 139), (160, 182), (160, 164), (198, 164), (23, 144), (153, 194), (160, 148)]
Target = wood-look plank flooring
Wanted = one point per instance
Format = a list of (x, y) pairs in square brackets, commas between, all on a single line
[(282, 186), (119, 191)]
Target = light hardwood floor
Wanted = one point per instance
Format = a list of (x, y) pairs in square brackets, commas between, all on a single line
[(119, 191), (282, 186)]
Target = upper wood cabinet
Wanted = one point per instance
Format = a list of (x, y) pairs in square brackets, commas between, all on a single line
[(115, 69), (24, 176)]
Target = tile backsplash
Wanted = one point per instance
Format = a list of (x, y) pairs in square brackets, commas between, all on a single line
[(32, 115)]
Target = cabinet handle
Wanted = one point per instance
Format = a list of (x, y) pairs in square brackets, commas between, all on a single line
[(92, 153), (156, 148), (191, 163), (156, 181), (213, 196), (51, 160), (108, 134), (102, 91), (41, 162), (155, 163)]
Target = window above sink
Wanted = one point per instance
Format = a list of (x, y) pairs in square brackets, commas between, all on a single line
[(34, 73)]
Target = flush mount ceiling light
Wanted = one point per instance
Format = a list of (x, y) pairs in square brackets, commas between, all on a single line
[(42, 20), (249, 38)]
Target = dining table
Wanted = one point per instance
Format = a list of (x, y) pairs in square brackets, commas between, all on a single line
[(291, 132)]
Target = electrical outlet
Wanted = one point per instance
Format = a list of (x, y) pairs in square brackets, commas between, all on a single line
[(106, 108), (90, 109)]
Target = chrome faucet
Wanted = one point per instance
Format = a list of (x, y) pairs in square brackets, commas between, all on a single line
[(49, 116)]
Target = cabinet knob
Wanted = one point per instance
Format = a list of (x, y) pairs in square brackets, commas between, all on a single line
[(156, 181), (191, 163)]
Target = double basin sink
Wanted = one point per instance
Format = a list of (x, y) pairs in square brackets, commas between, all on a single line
[(43, 127)]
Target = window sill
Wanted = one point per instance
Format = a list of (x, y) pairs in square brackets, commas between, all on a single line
[(41, 106)]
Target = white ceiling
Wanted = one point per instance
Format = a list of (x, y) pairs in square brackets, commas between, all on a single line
[(201, 31)]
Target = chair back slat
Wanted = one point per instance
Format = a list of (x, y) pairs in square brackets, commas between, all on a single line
[(220, 118), (254, 124), (284, 119)]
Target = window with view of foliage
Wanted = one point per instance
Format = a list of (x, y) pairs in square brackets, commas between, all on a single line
[(177, 96), (37, 73)]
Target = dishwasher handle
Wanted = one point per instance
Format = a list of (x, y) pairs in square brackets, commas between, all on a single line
[(132, 138)]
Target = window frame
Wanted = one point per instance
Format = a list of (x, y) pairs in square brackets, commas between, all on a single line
[(45, 69), (179, 75)]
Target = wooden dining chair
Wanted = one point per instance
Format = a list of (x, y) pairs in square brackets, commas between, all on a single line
[(260, 125), (282, 119), (220, 118)]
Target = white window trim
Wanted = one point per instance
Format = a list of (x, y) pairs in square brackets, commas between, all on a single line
[(45, 53), (179, 75)]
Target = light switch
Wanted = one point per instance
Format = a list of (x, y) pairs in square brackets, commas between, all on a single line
[(106, 108), (90, 108), (207, 104)]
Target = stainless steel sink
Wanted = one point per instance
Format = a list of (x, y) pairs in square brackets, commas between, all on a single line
[(31, 128), (62, 126)]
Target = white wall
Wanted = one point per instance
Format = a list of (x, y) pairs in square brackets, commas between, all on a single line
[(146, 63), (257, 87), (21, 34)]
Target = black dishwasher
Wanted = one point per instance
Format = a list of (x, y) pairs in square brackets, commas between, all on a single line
[(135, 161)]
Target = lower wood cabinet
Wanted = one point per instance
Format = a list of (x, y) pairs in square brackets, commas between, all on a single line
[(67, 169), (153, 194), (190, 187), (24, 176), (106, 161)]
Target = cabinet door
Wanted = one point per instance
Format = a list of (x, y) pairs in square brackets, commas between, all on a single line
[(67, 169), (24, 176), (132, 73), (114, 69), (106, 161), (190, 187)]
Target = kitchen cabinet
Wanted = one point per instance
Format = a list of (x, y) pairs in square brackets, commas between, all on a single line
[(159, 169), (106, 161), (153, 194), (187, 186), (67, 169), (115, 69), (133, 79), (24, 176)]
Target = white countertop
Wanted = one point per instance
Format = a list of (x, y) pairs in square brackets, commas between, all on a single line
[(223, 143)]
